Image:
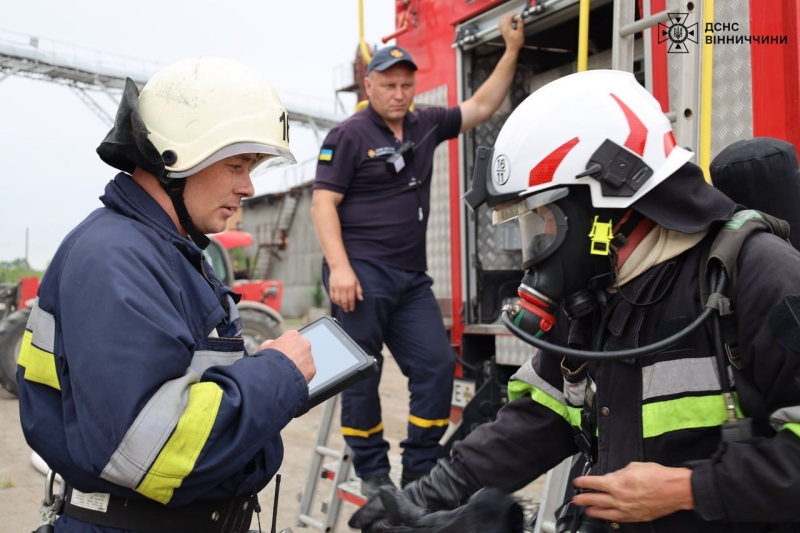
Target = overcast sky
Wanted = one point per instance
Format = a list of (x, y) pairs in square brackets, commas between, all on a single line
[(50, 175)]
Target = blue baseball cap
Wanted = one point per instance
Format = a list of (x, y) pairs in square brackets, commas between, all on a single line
[(389, 56)]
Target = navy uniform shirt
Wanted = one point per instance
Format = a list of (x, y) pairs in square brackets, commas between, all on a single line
[(380, 211)]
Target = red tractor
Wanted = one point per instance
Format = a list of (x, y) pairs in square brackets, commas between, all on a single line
[(16, 299), (259, 307)]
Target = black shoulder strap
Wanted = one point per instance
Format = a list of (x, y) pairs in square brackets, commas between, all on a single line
[(729, 326), (731, 237), (725, 248)]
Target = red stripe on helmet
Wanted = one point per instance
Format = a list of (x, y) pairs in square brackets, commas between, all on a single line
[(544, 171), (637, 138), (669, 143)]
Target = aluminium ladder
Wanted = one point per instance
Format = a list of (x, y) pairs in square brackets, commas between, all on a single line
[(348, 489), (319, 471), (345, 488)]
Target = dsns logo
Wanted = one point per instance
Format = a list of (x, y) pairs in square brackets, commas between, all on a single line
[(677, 33)]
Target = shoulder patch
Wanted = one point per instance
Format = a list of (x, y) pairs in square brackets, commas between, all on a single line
[(740, 218), (326, 154)]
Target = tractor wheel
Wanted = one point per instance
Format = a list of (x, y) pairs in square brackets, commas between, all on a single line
[(258, 327), (12, 328)]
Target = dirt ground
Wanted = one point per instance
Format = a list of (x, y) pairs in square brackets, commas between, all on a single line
[(22, 486)]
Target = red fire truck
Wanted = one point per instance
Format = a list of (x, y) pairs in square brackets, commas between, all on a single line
[(722, 72)]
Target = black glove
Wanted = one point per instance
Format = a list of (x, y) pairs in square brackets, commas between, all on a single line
[(488, 510), (441, 489), (368, 516)]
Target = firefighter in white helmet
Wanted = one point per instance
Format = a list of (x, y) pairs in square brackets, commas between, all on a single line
[(134, 382), (686, 416)]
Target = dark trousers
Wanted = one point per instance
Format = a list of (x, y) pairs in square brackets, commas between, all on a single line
[(398, 310)]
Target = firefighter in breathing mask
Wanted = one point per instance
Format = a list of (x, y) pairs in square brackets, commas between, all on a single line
[(668, 356)]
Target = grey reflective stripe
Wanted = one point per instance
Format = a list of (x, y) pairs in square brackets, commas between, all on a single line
[(575, 392), (784, 415), (527, 374), (148, 433), (155, 423), (668, 378), (204, 359), (43, 326)]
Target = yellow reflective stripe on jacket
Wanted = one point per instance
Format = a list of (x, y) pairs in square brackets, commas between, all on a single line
[(518, 389), (39, 365), (683, 413), (179, 455), (352, 432), (424, 423), (794, 427), (785, 416), (157, 420), (705, 409)]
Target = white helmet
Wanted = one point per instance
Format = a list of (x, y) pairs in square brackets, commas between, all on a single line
[(599, 128), (201, 110)]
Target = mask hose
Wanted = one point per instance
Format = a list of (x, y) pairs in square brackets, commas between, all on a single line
[(511, 319)]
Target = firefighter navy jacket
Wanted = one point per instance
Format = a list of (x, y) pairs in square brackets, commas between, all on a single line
[(667, 408), (132, 377)]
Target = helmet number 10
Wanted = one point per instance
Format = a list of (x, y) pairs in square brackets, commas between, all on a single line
[(284, 120)]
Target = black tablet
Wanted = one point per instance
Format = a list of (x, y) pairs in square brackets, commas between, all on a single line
[(339, 360)]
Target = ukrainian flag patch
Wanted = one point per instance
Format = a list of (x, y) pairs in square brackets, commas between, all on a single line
[(326, 154)]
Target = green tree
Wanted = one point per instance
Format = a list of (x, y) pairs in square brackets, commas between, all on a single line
[(13, 271)]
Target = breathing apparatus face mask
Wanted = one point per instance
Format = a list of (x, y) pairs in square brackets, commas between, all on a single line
[(568, 257), (566, 253)]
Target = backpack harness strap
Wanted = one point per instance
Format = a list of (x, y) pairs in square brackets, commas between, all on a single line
[(723, 250)]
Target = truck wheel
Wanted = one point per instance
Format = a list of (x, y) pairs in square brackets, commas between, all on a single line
[(258, 327), (12, 328)]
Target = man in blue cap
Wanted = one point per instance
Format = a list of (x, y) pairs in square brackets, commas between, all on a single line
[(370, 208)]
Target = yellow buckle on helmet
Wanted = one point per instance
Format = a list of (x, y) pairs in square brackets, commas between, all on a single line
[(601, 235)]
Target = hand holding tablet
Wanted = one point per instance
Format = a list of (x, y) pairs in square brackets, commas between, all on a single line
[(297, 349), (339, 360)]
